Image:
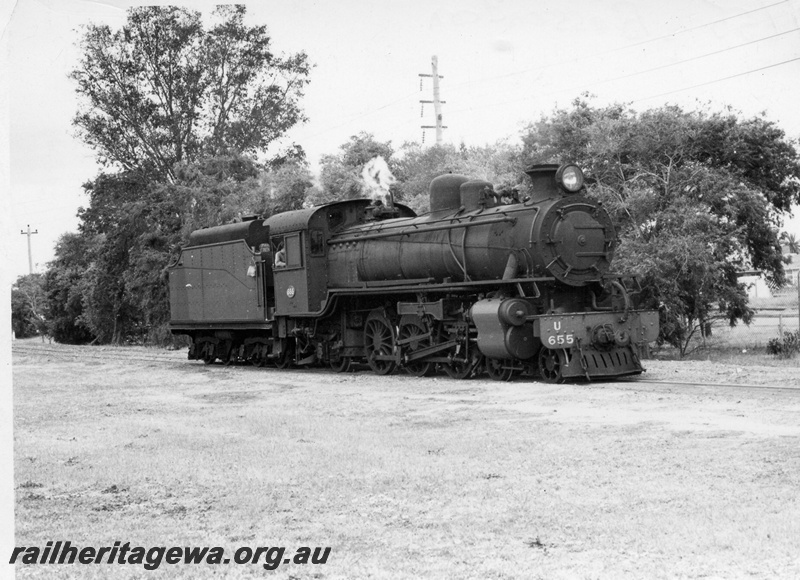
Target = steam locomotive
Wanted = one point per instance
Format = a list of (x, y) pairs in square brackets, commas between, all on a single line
[(480, 284)]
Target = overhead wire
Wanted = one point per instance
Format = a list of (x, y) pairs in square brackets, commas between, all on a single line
[(595, 55), (795, 59), (361, 115), (619, 48), (653, 69)]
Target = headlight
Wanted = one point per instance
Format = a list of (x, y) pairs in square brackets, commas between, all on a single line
[(570, 177)]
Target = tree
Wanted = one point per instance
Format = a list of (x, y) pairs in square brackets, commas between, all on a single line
[(28, 306), (63, 288), (697, 197), (162, 89), (499, 164)]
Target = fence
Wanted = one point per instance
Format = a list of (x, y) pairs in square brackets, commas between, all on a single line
[(776, 312)]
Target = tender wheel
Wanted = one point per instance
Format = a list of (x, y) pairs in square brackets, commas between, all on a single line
[(410, 329), (209, 354), (258, 355), (499, 370), (341, 364), (379, 341), (551, 365), (228, 354)]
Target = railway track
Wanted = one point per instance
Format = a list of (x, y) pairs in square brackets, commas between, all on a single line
[(700, 384), (155, 356), (97, 353)]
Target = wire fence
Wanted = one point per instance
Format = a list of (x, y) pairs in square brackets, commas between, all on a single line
[(777, 311)]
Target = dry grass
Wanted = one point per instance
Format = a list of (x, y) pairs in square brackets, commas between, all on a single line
[(405, 478)]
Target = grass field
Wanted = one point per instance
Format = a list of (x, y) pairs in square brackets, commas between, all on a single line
[(402, 477)]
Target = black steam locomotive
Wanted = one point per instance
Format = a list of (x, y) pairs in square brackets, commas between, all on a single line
[(481, 283)]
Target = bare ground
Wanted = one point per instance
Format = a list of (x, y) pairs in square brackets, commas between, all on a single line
[(409, 478)]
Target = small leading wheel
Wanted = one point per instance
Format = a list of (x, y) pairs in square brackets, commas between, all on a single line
[(341, 364), (414, 330), (461, 370), (379, 342), (551, 365), (499, 370)]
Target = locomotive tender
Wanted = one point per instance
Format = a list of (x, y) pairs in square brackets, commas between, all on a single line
[(478, 284)]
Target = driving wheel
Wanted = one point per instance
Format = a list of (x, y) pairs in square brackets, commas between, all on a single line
[(379, 342), (414, 330)]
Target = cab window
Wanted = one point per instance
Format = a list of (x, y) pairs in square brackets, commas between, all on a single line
[(287, 251), (317, 241), (294, 251)]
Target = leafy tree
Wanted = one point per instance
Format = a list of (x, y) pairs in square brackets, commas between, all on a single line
[(28, 306), (163, 89), (698, 196), (417, 166), (63, 289)]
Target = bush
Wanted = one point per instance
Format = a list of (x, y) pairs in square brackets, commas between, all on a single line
[(786, 347)]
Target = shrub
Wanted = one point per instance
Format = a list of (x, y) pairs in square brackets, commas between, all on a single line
[(786, 347)]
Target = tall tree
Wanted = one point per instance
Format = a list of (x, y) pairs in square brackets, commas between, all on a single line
[(163, 89), (64, 289)]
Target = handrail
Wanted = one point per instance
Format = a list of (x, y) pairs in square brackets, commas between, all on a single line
[(449, 226)]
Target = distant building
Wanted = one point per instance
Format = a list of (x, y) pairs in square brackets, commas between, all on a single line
[(755, 284), (793, 267)]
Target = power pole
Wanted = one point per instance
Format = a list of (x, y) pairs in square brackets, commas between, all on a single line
[(437, 103), (29, 233)]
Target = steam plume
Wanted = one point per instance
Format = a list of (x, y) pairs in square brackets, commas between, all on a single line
[(378, 179)]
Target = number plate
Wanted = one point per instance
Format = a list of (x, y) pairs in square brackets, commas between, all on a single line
[(561, 340)]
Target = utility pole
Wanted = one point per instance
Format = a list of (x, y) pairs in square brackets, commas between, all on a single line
[(437, 103), (29, 233)]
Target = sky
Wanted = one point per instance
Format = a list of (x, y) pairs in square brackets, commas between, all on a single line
[(504, 63)]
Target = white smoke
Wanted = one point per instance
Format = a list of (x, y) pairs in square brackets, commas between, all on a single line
[(378, 179)]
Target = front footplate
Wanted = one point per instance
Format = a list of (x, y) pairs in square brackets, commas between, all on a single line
[(594, 345)]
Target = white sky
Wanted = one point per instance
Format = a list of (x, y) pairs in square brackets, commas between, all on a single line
[(504, 63)]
